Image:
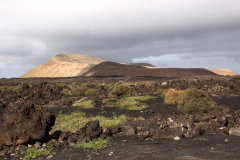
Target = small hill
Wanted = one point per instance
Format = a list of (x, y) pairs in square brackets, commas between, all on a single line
[(64, 65), (224, 72), (117, 69)]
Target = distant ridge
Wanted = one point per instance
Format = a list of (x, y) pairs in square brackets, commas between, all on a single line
[(142, 64), (64, 65), (74, 65)]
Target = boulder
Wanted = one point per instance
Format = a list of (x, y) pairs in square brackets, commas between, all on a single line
[(24, 123), (168, 133), (235, 131), (93, 129), (128, 130)]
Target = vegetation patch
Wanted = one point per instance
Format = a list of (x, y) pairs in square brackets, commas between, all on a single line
[(94, 144), (120, 89), (84, 104), (194, 101), (78, 91), (8, 88), (98, 86), (91, 92), (161, 92), (172, 96), (130, 103), (59, 84), (34, 152), (109, 87), (77, 120), (109, 100), (87, 84)]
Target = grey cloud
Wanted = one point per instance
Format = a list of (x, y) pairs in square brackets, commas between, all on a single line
[(119, 32)]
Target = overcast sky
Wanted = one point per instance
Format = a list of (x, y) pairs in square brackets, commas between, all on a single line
[(165, 33)]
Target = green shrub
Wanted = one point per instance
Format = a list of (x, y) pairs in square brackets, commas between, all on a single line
[(78, 91), (67, 92), (121, 89), (91, 92), (87, 84), (194, 101)]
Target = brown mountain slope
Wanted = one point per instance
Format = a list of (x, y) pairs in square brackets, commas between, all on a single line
[(116, 69), (64, 65)]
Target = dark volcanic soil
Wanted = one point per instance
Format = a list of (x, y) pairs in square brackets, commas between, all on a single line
[(208, 146)]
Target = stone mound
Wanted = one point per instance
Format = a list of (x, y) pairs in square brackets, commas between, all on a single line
[(224, 72), (64, 65), (116, 69)]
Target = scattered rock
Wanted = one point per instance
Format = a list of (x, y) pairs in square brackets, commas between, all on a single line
[(164, 83), (128, 130), (37, 145), (145, 134), (235, 131), (64, 135), (111, 153), (176, 138)]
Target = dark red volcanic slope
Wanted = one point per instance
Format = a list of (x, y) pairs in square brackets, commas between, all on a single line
[(116, 69)]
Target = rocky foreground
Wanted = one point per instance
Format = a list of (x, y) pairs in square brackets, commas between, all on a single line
[(24, 122)]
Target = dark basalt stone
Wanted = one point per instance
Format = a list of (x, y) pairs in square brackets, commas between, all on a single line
[(24, 123)]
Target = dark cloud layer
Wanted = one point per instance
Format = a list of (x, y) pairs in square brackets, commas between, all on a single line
[(202, 34)]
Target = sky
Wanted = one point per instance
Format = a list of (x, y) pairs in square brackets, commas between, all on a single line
[(165, 33)]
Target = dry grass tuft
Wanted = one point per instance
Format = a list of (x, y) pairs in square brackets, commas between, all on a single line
[(172, 96)]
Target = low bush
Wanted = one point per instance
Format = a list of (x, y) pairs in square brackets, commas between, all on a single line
[(78, 91), (87, 84), (194, 101), (91, 92), (120, 89), (109, 87), (172, 96), (67, 92)]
